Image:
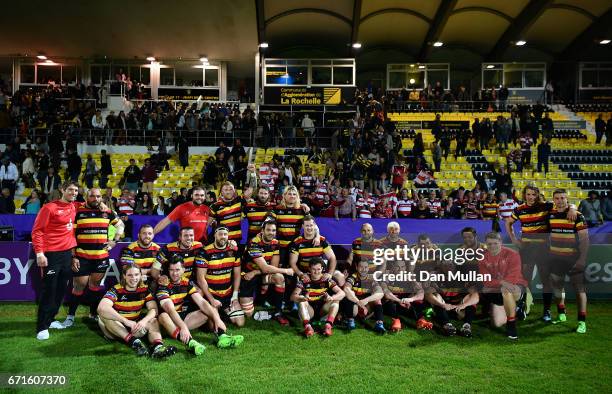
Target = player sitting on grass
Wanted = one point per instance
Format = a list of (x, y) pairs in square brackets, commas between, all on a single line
[(454, 299), (185, 309), (312, 294), (120, 314), (506, 285), (362, 292), (403, 297), (260, 268)]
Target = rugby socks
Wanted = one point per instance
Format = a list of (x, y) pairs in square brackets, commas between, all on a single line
[(547, 297), (511, 326), (582, 316), (330, 320), (277, 299), (417, 308), (306, 322), (74, 301), (560, 308), (441, 315), (157, 342), (175, 334), (470, 313), (378, 312), (129, 339), (95, 296), (392, 307)]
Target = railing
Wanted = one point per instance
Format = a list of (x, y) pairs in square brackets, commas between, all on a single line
[(396, 105), (280, 137)]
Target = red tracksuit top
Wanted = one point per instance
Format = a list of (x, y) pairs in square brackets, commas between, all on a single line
[(505, 266), (53, 229)]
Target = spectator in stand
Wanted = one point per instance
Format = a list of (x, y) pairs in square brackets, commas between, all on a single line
[(50, 183), (128, 227), (28, 170), (32, 204), (7, 204), (106, 169), (609, 132), (161, 209), (502, 96), (419, 147), (526, 142), (607, 206), (144, 206), (463, 136), (9, 174), (422, 210), (591, 209), (109, 200), (365, 205), (485, 134), (506, 206), (149, 175), (91, 171), (547, 127), (132, 176), (126, 202), (600, 129), (308, 128), (345, 206), (543, 155), (182, 148), (74, 165)]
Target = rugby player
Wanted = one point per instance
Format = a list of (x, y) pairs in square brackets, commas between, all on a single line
[(142, 252), (90, 262), (303, 249), (186, 247), (362, 293), (402, 297), (534, 251), (506, 285), (453, 296), (260, 266), (257, 210), (569, 246), (121, 314), (194, 214), (363, 248), (184, 309), (312, 293), (218, 275), (227, 210)]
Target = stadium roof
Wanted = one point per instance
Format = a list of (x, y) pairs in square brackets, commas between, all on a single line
[(471, 31)]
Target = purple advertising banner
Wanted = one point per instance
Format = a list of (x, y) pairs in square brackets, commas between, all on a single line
[(19, 274)]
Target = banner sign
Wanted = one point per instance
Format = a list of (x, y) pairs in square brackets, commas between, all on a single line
[(570, 124), (20, 277), (188, 93), (304, 95), (595, 95)]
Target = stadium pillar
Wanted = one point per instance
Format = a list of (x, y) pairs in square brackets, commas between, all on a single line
[(155, 80), (223, 81), (257, 81)]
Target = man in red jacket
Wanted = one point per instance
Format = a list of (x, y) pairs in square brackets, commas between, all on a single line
[(503, 283), (53, 239)]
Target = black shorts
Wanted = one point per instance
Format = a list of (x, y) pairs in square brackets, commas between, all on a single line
[(88, 267), (249, 288), (564, 265), (187, 308), (496, 298), (317, 307), (225, 304), (284, 257)]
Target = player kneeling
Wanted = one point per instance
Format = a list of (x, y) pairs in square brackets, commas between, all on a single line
[(120, 315), (185, 309), (314, 300), (362, 293), (403, 297)]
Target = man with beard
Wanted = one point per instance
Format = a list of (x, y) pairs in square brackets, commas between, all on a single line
[(185, 247), (91, 257), (192, 214), (184, 309), (312, 293), (143, 252), (261, 267), (227, 211), (257, 211), (363, 249), (362, 294), (218, 275)]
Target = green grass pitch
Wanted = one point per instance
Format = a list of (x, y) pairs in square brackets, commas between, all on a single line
[(546, 358)]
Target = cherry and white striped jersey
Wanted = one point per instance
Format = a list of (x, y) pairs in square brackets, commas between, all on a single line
[(355, 192), (404, 208), (505, 208), (365, 208), (321, 191), (268, 176), (435, 205)]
